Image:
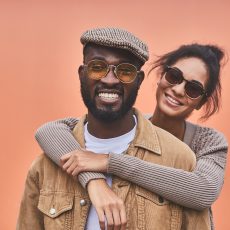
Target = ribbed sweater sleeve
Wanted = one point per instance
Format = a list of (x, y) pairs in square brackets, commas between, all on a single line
[(56, 139), (197, 189)]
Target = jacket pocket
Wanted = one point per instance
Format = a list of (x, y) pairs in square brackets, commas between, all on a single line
[(151, 197), (57, 209), (153, 211)]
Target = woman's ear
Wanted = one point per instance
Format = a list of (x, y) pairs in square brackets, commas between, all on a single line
[(159, 80), (201, 103)]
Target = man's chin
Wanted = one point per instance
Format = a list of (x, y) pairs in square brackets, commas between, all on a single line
[(108, 115)]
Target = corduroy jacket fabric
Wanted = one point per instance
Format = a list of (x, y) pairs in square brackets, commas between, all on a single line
[(54, 200)]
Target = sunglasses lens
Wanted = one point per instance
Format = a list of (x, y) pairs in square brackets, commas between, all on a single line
[(173, 77), (97, 69), (126, 72), (193, 90)]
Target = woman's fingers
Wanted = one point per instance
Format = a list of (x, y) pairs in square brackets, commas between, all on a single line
[(65, 157), (72, 167), (76, 171), (67, 164), (82, 160)]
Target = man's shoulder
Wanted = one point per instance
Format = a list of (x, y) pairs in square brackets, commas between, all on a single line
[(168, 140), (165, 140), (166, 135), (41, 163), (39, 160), (45, 173), (172, 147)]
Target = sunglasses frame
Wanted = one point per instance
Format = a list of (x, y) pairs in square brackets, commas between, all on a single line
[(109, 67), (204, 93)]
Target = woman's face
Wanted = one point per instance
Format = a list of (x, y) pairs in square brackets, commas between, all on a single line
[(172, 99)]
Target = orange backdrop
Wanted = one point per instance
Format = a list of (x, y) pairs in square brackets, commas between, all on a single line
[(40, 53)]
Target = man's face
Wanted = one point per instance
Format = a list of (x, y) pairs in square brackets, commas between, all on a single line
[(108, 99)]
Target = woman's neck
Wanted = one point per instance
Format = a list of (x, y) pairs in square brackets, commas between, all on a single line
[(174, 126)]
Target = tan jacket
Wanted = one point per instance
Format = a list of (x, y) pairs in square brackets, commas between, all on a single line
[(53, 200)]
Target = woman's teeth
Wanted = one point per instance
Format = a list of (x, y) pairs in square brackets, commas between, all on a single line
[(173, 100)]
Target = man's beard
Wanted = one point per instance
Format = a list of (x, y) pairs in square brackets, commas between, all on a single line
[(108, 114)]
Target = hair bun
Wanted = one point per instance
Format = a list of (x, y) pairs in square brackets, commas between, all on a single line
[(218, 52)]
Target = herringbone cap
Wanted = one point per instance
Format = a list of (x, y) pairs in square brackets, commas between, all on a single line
[(118, 38)]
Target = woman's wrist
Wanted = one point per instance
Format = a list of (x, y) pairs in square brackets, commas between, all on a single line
[(104, 163), (93, 182)]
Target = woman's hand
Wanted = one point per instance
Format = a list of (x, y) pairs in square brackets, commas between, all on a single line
[(82, 160), (110, 208)]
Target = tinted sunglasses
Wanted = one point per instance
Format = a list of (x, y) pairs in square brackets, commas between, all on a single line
[(193, 89), (98, 69)]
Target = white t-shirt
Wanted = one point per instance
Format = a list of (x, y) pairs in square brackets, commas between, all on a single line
[(97, 145)]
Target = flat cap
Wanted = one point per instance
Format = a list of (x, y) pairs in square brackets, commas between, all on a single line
[(118, 38)]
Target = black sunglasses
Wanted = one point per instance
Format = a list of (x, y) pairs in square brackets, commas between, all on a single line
[(98, 69), (193, 89)]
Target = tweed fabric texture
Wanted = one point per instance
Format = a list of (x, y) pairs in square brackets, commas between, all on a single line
[(117, 38)]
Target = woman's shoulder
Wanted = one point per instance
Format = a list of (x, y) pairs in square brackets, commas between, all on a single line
[(201, 130), (206, 137)]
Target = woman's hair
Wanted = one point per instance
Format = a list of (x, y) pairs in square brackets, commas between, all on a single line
[(211, 55)]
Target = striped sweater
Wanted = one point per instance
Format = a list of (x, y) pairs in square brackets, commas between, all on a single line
[(196, 190)]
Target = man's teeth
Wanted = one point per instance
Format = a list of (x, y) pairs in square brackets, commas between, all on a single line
[(173, 101), (108, 95)]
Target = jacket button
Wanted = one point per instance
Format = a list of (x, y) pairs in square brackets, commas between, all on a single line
[(161, 199), (52, 211), (82, 202)]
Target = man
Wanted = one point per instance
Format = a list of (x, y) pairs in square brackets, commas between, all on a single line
[(110, 79)]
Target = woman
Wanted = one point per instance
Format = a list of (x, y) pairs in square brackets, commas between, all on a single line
[(190, 79)]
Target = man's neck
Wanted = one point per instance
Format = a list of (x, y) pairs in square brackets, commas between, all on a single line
[(104, 130)]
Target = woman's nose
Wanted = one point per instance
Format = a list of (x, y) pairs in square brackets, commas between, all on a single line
[(179, 89)]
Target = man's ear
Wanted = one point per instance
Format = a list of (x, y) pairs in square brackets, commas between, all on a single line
[(140, 78), (80, 71)]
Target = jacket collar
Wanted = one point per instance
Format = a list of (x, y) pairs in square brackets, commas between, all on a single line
[(145, 137)]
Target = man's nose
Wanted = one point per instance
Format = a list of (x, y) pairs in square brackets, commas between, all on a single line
[(110, 78)]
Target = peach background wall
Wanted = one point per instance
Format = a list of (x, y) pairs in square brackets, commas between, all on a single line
[(39, 55)]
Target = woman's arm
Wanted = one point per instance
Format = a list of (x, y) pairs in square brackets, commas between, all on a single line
[(197, 189), (56, 139), (206, 180)]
